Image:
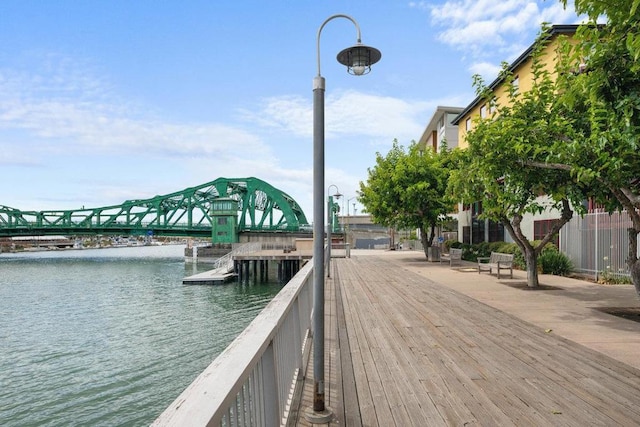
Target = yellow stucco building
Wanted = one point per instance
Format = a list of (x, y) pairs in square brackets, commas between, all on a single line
[(470, 228), (523, 77)]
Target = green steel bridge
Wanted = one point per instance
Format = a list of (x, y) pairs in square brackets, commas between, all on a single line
[(261, 208)]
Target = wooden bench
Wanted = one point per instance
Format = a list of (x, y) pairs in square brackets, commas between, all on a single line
[(453, 256), (497, 261)]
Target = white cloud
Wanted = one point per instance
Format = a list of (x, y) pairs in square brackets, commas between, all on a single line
[(10, 158), (473, 36), (62, 119), (487, 70), (556, 13), (347, 113), (286, 113), (64, 109), (489, 32)]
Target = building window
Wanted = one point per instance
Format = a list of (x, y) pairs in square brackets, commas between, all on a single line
[(542, 227), (483, 111), (467, 124), (516, 83), (496, 232), (476, 209), (222, 221)]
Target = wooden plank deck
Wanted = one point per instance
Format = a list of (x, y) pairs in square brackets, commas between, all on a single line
[(405, 351)]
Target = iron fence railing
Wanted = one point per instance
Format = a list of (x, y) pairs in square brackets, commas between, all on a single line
[(597, 243)]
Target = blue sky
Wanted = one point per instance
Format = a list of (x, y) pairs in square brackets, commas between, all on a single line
[(104, 101)]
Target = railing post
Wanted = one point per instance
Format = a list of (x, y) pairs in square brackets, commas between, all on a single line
[(270, 387), (297, 334)]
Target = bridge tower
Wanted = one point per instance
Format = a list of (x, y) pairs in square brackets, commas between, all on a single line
[(224, 215)]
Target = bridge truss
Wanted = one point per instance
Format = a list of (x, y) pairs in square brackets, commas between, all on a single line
[(262, 207)]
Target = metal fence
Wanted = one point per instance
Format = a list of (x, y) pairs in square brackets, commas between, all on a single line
[(597, 243), (253, 382)]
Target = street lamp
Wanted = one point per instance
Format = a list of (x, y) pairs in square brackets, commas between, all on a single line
[(337, 195), (346, 232), (358, 60)]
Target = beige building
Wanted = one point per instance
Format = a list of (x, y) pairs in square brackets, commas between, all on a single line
[(441, 129)]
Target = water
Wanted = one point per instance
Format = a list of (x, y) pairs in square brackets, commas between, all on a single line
[(109, 337)]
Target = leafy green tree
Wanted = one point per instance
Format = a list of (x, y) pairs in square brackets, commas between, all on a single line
[(599, 86), (406, 189), (496, 167)]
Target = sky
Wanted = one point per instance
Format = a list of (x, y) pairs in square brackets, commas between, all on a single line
[(106, 101)]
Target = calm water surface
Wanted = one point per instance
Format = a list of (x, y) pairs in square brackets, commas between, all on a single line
[(109, 337)]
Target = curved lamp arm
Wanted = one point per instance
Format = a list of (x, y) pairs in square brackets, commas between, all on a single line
[(325, 23), (357, 58)]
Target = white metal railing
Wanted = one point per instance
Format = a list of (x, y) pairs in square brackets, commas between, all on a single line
[(598, 243), (340, 249), (224, 264), (254, 381)]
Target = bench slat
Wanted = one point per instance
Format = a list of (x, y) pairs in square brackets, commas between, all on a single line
[(454, 255), (497, 261)]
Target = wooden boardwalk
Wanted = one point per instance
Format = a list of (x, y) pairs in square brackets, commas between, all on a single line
[(405, 351)]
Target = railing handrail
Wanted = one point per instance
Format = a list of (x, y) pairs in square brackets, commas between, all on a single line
[(250, 381), (225, 262)]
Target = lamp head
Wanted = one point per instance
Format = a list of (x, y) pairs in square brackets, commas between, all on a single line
[(359, 58)]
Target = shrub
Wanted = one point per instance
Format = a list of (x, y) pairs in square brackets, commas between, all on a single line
[(607, 277), (495, 247), (518, 257), (551, 261), (452, 244), (469, 252)]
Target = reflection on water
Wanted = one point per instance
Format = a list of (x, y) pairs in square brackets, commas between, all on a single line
[(109, 336)]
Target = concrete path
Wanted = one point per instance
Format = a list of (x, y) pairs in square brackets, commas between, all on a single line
[(571, 310)]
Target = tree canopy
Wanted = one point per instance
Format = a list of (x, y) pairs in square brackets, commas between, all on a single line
[(496, 168), (406, 189), (599, 89)]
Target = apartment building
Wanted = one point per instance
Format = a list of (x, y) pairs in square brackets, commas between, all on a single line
[(441, 130), (471, 229)]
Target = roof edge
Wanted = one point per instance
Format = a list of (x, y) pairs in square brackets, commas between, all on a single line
[(554, 30)]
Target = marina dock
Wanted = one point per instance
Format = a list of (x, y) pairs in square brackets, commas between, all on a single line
[(210, 277), (255, 264)]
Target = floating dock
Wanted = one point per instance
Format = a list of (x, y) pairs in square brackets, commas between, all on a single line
[(210, 277)]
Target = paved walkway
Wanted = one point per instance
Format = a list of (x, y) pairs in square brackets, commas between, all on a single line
[(417, 343)]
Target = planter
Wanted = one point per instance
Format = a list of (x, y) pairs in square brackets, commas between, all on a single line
[(433, 254)]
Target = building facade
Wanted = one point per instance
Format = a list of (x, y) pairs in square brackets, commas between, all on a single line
[(471, 229), (441, 130)]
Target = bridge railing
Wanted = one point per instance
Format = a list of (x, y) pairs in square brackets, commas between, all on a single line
[(254, 381), (23, 227)]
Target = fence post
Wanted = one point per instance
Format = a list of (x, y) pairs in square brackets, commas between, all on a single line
[(270, 387), (595, 249)]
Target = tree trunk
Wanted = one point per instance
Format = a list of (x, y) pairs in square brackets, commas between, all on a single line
[(425, 241), (528, 251), (531, 257), (635, 275), (632, 261)]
